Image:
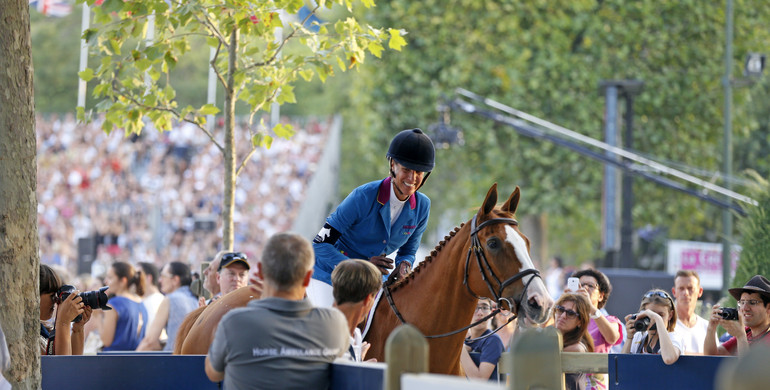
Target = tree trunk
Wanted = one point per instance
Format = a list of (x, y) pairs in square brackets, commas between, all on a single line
[(229, 160), (19, 260)]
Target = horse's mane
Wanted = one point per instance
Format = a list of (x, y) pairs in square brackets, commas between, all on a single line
[(428, 259), (434, 252)]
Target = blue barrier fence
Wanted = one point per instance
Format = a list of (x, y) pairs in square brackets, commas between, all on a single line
[(163, 371), (632, 372)]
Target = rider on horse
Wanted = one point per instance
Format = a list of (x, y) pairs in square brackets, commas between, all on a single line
[(378, 218)]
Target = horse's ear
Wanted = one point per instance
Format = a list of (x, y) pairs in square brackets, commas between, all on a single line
[(513, 201), (491, 200)]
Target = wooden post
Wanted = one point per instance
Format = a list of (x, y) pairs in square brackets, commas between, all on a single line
[(748, 372), (405, 351), (536, 362)]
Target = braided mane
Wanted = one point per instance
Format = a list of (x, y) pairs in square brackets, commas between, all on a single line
[(428, 259)]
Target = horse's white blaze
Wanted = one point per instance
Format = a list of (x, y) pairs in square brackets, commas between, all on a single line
[(520, 248)]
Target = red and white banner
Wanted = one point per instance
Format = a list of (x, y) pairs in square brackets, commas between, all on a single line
[(703, 257)]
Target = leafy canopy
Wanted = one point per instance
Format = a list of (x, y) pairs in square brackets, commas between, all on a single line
[(257, 46)]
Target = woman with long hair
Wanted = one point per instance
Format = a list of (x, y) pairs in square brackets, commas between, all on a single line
[(571, 317), (655, 335), (123, 327)]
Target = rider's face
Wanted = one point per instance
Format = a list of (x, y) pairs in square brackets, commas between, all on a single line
[(406, 181)]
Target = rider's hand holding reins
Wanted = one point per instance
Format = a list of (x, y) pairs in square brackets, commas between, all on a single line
[(383, 263)]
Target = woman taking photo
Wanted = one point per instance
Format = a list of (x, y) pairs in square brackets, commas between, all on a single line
[(656, 334), (571, 317), (60, 340), (123, 327)]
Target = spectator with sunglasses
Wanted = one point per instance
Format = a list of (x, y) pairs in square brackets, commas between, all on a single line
[(571, 318), (233, 272), (479, 357), (659, 337), (753, 322)]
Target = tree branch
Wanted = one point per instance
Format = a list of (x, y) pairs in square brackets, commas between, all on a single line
[(170, 110), (285, 40), (214, 66)]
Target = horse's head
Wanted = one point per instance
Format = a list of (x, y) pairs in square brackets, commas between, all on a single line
[(499, 254)]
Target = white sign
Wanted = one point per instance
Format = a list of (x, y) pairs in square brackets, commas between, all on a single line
[(702, 257)]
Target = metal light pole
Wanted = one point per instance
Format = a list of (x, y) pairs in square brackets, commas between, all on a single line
[(727, 162)]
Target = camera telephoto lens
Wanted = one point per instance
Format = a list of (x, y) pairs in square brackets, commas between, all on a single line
[(96, 299)]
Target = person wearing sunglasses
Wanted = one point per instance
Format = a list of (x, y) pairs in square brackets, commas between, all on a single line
[(658, 337), (571, 318), (479, 358), (753, 322), (233, 272)]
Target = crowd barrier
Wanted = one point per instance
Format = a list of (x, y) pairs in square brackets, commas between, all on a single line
[(534, 363)]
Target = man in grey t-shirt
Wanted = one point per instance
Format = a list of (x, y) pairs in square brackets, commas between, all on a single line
[(279, 341)]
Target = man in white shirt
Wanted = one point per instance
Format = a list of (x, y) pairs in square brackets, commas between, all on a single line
[(690, 326)]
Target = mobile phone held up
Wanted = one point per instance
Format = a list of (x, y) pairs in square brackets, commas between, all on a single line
[(573, 284)]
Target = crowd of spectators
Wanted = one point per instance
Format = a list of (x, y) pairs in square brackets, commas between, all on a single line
[(157, 197)]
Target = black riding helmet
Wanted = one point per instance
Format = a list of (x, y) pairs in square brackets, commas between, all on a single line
[(414, 150)]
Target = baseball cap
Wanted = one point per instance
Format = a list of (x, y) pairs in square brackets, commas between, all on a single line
[(233, 257)]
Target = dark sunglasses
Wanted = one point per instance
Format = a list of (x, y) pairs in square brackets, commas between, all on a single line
[(230, 256), (660, 294), (570, 313)]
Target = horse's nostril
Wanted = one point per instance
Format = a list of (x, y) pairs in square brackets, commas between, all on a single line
[(534, 303)]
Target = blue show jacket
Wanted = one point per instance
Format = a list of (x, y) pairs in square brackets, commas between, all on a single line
[(363, 221)]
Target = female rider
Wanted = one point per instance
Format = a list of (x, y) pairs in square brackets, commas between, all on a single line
[(378, 218)]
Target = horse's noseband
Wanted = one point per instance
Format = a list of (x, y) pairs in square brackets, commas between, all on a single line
[(484, 267)]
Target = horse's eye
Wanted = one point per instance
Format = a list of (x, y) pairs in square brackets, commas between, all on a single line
[(493, 243)]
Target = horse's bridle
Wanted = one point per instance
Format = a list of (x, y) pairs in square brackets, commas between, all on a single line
[(482, 261)]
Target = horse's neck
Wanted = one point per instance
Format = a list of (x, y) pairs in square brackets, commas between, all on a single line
[(434, 295)]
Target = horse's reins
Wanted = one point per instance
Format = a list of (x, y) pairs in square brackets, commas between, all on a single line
[(475, 249)]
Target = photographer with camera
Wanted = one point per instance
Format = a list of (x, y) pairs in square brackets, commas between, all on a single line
[(651, 330), (748, 325), (61, 340)]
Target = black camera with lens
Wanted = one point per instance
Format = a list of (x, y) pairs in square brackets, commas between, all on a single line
[(728, 313), (96, 299), (641, 324)]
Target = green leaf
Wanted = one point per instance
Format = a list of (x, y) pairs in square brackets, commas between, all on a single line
[(396, 41), (209, 109), (86, 75), (287, 95), (306, 74), (262, 140), (376, 49), (285, 131), (169, 93)]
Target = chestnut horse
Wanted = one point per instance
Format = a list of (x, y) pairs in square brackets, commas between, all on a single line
[(196, 332), (488, 257)]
